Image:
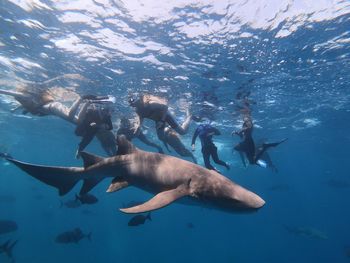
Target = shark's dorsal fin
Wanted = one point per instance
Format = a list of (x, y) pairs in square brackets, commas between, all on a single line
[(90, 159), (124, 146), (117, 184), (160, 200)]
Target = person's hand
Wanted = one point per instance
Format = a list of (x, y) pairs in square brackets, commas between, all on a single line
[(193, 147), (93, 124)]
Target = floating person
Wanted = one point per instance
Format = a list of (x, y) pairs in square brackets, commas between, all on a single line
[(156, 108), (126, 128), (205, 133), (247, 146), (170, 137), (168, 177), (139, 220), (39, 100), (7, 226), (7, 248), (73, 236), (95, 119), (86, 199)]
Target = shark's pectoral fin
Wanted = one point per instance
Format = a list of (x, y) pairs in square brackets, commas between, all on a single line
[(160, 200), (117, 184), (90, 159)]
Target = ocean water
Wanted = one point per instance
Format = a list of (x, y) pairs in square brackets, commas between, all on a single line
[(289, 58)]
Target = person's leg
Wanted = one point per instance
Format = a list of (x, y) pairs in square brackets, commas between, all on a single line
[(214, 155), (179, 129), (87, 138), (266, 146), (107, 141), (72, 110), (206, 156), (57, 109)]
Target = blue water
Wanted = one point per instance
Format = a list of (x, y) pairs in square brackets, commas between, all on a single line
[(293, 57)]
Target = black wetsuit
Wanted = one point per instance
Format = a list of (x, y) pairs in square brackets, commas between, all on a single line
[(247, 146), (88, 131), (208, 147)]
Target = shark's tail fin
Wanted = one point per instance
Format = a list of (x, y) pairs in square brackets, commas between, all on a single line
[(89, 236), (62, 178), (149, 216)]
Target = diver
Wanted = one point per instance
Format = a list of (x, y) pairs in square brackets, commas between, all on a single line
[(96, 119), (156, 108), (170, 137), (126, 128), (247, 145), (205, 133)]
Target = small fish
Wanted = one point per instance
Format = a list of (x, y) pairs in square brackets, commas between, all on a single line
[(86, 199), (339, 184), (73, 236), (139, 220), (71, 204), (307, 231), (7, 226), (7, 248)]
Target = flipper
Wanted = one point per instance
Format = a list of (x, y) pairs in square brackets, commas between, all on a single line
[(117, 184), (274, 144), (90, 159), (62, 178), (160, 200)]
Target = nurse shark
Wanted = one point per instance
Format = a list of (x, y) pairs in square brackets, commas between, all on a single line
[(168, 177)]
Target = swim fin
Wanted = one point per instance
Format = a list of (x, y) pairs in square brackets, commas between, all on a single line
[(261, 163)]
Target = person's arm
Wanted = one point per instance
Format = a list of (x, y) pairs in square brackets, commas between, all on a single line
[(144, 139), (213, 131), (194, 137), (138, 125)]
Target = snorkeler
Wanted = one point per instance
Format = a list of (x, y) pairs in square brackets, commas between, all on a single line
[(156, 108), (247, 145), (170, 137), (205, 133), (39, 100), (95, 119), (126, 128)]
